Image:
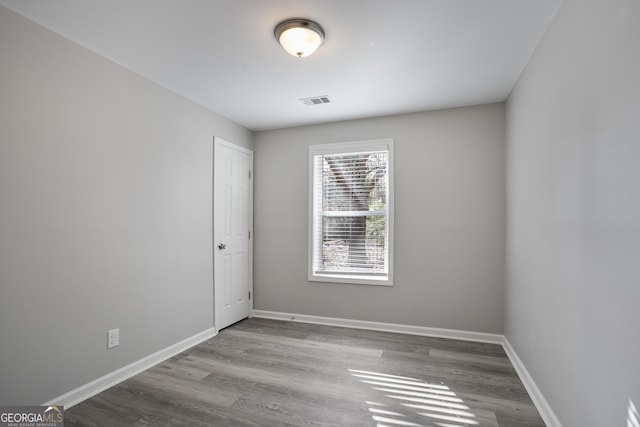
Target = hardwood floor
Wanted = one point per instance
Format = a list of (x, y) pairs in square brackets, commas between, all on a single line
[(272, 373)]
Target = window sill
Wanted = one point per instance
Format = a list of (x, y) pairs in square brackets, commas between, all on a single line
[(351, 279)]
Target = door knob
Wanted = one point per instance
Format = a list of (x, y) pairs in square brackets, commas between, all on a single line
[(222, 246)]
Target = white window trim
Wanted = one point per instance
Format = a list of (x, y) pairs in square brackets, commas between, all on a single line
[(346, 147)]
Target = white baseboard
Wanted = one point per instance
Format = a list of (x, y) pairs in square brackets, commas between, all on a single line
[(547, 414), (94, 387), (380, 326), (538, 399)]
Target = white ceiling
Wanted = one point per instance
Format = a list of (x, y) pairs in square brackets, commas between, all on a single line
[(380, 57)]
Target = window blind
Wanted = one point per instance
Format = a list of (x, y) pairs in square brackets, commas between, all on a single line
[(351, 213)]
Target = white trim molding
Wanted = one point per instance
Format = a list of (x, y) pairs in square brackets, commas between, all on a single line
[(380, 326), (98, 385), (541, 404), (548, 416)]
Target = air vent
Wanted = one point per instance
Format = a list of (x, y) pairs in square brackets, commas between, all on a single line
[(316, 100)]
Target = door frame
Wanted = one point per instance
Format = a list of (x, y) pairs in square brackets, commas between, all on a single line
[(217, 142)]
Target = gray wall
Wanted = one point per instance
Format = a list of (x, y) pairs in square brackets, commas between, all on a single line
[(573, 269), (105, 220), (449, 221)]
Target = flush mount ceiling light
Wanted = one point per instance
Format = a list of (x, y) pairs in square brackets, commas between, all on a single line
[(299, 37)]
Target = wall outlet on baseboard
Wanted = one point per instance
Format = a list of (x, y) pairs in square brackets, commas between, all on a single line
[(113, 338)]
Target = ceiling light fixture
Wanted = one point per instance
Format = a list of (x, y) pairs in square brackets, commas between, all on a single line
[(299, 37)]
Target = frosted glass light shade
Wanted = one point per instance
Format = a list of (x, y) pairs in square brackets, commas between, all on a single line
[(299, 37)]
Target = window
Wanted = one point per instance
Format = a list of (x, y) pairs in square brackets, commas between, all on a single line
[(351, 212)]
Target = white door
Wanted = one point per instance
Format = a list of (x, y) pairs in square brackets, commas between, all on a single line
[(232, 219)]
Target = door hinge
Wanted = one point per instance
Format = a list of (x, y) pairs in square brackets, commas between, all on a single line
[(249, 234), (249, 174), (249, 294)]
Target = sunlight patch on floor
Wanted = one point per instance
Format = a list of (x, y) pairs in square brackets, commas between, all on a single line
[(633, 419), (414, 396)]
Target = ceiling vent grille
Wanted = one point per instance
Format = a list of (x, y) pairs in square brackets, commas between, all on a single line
[(316, 100)]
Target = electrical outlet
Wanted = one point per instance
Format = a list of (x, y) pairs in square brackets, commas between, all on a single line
[(113, 338)]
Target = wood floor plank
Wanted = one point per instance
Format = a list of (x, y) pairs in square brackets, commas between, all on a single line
[(263, 372), (309, 344)]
